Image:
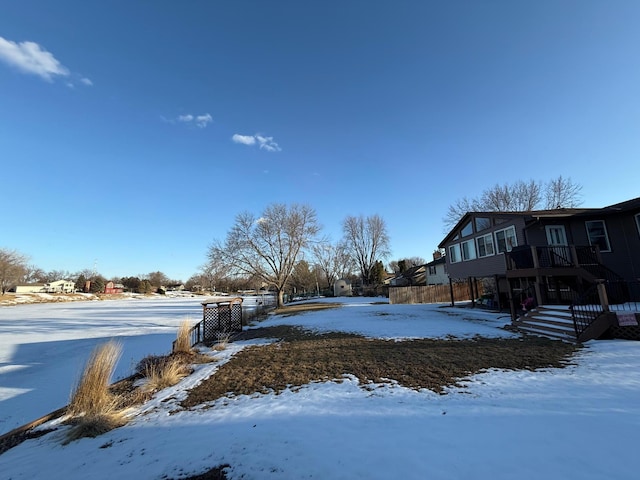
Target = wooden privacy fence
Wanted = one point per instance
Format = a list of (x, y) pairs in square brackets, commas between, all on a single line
[(434, 293)]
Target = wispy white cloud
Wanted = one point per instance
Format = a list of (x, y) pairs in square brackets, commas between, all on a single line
[(203, 120), (244, 139), (31, 58), (200, 121), (265, 143)]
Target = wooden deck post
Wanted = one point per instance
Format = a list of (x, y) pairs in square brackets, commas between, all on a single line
[(602, 295), (453, 303)]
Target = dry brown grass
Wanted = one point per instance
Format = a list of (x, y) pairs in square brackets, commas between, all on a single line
[(165, 373), (92, 394), (305, 357), (222, 341), (183, 338), (296, 308), (93, 408)]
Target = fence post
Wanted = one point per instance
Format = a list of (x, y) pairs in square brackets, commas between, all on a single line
[(602, 295)]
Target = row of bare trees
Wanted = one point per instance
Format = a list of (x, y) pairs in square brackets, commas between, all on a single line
[(271, 248)]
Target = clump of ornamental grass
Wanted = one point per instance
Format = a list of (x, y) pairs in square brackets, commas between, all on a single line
[(94, 409), (183, 339), (162, 372), (222, 341)]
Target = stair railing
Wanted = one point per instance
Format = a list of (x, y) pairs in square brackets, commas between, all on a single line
[(602, 297)]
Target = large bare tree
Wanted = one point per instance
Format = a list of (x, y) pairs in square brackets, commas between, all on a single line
[(13, 267), (367, 241), (520, 196), (268, 246), (333, 260)]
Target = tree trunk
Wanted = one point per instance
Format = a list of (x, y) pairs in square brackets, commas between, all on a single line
[(280, 298)]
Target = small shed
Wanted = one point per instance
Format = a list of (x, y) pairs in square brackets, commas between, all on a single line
[(342, 288)]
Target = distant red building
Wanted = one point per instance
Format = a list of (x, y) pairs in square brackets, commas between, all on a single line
[(111, 287)]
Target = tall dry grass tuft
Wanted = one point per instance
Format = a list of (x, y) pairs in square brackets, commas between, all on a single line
[(93, 409), (222, 341), (164, 373), (183, 339)]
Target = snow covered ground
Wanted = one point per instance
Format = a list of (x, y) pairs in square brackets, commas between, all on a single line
[(578, 422)]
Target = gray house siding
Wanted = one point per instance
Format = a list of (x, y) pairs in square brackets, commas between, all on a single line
[(530, 227), (624, 257), (491, 265)]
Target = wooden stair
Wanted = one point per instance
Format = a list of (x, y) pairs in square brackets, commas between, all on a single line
[(552, 321)]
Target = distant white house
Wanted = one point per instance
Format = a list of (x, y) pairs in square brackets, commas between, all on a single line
[(60, 286), (342, 288), (436, 271), (31, 288)]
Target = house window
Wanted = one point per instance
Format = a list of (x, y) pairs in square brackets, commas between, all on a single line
[(468, 250), (506, 239), (432, 270), (454, 253), (597, 233), (482, 223), (638, 222), (485, 245), (466, 230)]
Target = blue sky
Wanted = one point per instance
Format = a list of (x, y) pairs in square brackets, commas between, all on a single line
[(133, 132)]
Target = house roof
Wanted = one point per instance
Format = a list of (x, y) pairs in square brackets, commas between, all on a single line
[(437, 261), (554, 213)]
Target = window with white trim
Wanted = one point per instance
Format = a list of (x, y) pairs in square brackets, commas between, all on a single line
[(468, 250), (454, 253), (638, 222), (597, 233), (506, 239), (485, 245)]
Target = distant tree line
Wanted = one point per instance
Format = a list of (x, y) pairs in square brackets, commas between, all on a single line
[(16, 270)]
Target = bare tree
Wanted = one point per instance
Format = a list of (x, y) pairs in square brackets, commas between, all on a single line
[(213, 274), (333, 260), (367, 242), (563, 193), (269, 246), (457, 210), (399, 266), (13, 266), (520, 196)]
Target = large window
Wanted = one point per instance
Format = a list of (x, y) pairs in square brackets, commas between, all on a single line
[(468, 250), (506, 239), (454, 253), (482, 223), (485, 245), (597, 233), (466, 230)]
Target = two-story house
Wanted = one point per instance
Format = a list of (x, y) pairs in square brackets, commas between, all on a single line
[(548, 256)]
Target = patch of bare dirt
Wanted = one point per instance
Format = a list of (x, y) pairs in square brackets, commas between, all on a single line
[(302, 357)]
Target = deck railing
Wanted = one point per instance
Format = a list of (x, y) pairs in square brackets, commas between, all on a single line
[(606, 296), (527, 256)]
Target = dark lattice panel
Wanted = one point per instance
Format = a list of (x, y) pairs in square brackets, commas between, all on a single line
[(220, 319), (626, 332)]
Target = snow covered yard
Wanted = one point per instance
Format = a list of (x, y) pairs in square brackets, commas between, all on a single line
[(577, 422)]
